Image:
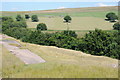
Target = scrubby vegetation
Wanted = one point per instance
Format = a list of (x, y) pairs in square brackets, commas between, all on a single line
[(116, 26), (41, 26), (111, 17), (34, 18), (19, 18), (27, 16), (96, 42)]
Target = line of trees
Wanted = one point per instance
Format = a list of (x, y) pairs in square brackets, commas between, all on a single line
[(96, 42), (112, 17)]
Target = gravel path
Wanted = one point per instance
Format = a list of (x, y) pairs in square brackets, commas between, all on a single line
[(24, 55)]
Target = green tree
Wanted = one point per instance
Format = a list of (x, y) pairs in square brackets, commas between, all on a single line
[(7, 19), (67, 19), (41, 26), (18, 33), (97, 42), (34, 18), (19, 18), (19, 24), (6, 23), (111, 16), (116, 26), (27, 16)]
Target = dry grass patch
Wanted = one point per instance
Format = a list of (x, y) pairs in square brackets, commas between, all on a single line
[(78, 23)]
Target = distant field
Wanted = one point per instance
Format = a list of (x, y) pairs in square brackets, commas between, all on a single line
[(100, 14), (77, 23), (82, 18)]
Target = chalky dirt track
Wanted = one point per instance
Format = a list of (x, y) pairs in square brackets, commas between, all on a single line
[(24, 55)]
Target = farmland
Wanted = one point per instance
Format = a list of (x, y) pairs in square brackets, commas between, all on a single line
[(60, 62)]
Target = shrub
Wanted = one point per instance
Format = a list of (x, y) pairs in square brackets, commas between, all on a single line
[(9, 23), (100, 43), (116, 26), (111, 16), (19, 24), (7, 19), (27, 16), (19, 18), (34, 18), (70, 33), (41, 26), (18, 33), (67, 18)]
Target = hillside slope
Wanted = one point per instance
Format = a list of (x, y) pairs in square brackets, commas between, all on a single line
[(84, 9), (61, 63)]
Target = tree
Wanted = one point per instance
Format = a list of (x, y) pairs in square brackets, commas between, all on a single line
[(7, 19), (67, 19), (27, 16), (19, 18), (34, 18), (111, 16), (21, 24), (6, 23), (18, 33), (98, 42), (116, 26), (41, 26)]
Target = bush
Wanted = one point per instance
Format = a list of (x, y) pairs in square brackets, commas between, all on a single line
[(34, 18), (19, 18), (41, 26), (19, 24), (8, 23), (27, 16), (70, 33), (7, 19), (18, 33), (67, 18), (116, 26), (111, 16), (100, 43)]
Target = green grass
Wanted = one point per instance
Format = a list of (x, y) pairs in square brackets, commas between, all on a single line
[(60, 63), (77, 23), (10, 64), (100, 14)]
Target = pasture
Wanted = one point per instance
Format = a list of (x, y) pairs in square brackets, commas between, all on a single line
[(77, 23)]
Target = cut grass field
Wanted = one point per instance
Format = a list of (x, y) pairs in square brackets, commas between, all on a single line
[(77, 23), (82, 18), (60, 63)]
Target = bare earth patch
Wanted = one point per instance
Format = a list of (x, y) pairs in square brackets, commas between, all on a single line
[(23, 54)]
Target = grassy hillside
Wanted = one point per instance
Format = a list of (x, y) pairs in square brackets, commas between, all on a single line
[(61, 63), (77, 23), (82, 18), (78, 12)]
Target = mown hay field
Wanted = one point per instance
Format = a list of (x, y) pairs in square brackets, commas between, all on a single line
[(77, 23)]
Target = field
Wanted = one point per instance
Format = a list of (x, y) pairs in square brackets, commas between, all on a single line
[(83, 19), (63, 63)]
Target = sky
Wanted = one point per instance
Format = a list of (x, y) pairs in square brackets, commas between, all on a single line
[(30, 6)]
